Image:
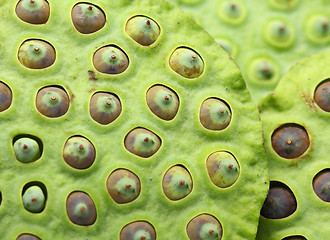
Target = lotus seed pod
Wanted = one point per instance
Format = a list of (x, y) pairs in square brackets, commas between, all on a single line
[(80, 209), (27, 236), (5, 97), (177, 183), (139, 230), (214, 114), (33, 11), (322, 96), (290, 141), (34, 199), (163, 102), (321, 185), (36, 54), (232, 11), (87, 18), (52, 102), (204, 227), (79, 152), (143, 30), (104, 108), (110, 60), (142, 142), (222, 168), (123, 186), (295, 238), (186, 62), (27, 150)]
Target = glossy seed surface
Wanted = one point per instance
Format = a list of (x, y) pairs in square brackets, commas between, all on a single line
[(5, 97), (321, 185), (33, 11), (322, 96), (204, 226), (139, 230)]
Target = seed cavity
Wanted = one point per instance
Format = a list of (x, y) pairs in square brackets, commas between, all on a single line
[(27, 148), (321, 185), (186, 62), (280, 202), (36, 54), (138, 230), (79, 152), (27, 236), (232, 12), (34, 197), (143, 30), (318, 28), (294, 238), (279, 34), (228, 45), (6, 97), (204, 226), (264, 70), (87, 18), (223, 169), (110, 60), (33, 12), (142, 142), (163, 102), (290, 140), (215, 114), (123, 186), (177, 183), (322, 95), (81, 209), (52, 101), (104, 107)]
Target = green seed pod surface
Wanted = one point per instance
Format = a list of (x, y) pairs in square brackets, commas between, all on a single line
[(33, 11), (27, 150), (34, 199)]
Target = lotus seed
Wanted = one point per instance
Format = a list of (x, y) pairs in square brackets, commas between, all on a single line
[(322, 96), (139, 230), (34, 199), (232, 12), (27, 236), (26, 150), (33, 11), (5, 97), (321, 185), (205, 227), (279, 34)]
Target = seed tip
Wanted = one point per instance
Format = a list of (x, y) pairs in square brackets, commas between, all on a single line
[(146, 139)]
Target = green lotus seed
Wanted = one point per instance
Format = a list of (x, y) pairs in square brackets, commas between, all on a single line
[(87, 18), (322, 96), (290, 141), (143, 30), (52, 102), (279, 34), (26, 150), (33, 11), (110, 60), (6, 97), (27, 236), (186, 63), (104, 107), (142, 142), (223, 169), (280, 202), (34, 199), (139, 230), (263, 70), (321, 185), (232, 11), (204, 227), (294, 238), (163, 102), (177, 183), (318, 28), (80, 209), (79, 152), (214, 114), (123, 186), (36, 54), (283, 4)]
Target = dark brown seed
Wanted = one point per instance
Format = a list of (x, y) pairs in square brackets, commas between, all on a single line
[(204, 226), (81, 209), (123, 186), (36, 54), (34, 12), (280, 202), (290, 141), (322, 96), (27, 236), (295, 238), (5, 97), (321, 185), (87, 18), (104, 108), (138, 230), (79, 152), (52, 102)]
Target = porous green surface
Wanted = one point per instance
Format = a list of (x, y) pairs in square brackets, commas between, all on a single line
[(293, 102), (184, 140), (247, 37)]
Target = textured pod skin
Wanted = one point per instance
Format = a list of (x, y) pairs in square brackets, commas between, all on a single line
[(34, 12), (5, 97), (294, 102), (138, 230)]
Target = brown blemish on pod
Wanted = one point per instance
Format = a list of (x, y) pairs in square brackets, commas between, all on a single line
[(52, 101), (280, 202), (163, 102), (87, 18), (204, 226), (322, 95), (33, 11), (27, 236), (138, 230), (81, 209), (123, 186), (104, 107), (290, 140), (321, 185), (6, 97)]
